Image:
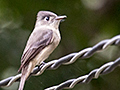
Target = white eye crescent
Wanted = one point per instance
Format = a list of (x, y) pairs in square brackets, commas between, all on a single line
[(47, 18)]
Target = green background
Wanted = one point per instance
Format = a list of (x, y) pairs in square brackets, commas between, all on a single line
[(87, 23)]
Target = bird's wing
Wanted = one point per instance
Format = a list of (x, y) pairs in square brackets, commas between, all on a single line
[(36, 43)]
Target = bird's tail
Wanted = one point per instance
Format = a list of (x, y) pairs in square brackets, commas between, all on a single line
[(25, 73), (22, 82)]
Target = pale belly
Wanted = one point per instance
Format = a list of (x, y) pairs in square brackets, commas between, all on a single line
[(44, 54)]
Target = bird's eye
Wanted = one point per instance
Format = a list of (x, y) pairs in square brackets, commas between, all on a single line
[(47, 18)]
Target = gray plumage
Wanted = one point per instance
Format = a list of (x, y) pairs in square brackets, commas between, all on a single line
[(41, 43)]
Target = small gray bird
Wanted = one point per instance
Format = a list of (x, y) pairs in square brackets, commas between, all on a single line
[(41, 43)]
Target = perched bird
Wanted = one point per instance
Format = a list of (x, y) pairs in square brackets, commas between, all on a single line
[(41, 43)]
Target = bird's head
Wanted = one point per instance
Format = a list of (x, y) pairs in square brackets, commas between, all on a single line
[(48, 18)]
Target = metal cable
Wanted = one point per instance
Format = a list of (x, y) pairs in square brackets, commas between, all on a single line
[(104, 69), (68, 59)]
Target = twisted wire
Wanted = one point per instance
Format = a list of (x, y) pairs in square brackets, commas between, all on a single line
[(68, 59), (104, 69)]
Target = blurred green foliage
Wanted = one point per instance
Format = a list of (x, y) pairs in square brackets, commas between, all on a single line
[(88, 22)]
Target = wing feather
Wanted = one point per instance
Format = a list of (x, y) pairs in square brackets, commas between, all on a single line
[(36, 43)]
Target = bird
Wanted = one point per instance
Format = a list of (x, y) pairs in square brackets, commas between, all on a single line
[(41, 43)]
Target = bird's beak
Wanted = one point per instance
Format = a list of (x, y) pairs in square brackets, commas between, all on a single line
[(61, 17)]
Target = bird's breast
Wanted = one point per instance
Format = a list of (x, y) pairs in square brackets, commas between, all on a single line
[(56, 37), (44, 54)]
